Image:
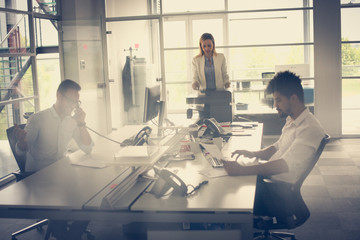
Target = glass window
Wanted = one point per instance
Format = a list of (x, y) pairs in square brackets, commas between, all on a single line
[(213, 26), (350, 59), (46, 7), (247, 68), (350, 106), (349, 1), (48, 67), (176, 96), (175, 6), (176, 67), (172, 38), (350, 68), (14, 33), (46, 33), (267, 4), (248, 63), (350, 17), (15, 4), (124, 8), (269, 27)]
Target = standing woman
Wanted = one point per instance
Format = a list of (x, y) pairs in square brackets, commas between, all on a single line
[(209, 67)]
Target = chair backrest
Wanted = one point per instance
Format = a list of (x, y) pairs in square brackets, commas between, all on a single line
[(12, 141), (293, 210), (299, 210), (317, 155)]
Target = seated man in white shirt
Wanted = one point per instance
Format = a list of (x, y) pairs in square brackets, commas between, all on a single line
[(47, 135), (288, 158)]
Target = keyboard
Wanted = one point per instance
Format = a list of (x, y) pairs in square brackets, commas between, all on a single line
[(174, 141), (214, 162)]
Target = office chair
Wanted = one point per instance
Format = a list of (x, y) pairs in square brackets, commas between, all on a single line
[(21, 174), (20, 160), (294, 211)]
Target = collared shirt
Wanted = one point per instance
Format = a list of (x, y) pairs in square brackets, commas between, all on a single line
[(297, 144), (48, 137), (210, 74)]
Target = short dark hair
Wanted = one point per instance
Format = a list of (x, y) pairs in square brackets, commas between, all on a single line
[(68, 84), (286, 83)]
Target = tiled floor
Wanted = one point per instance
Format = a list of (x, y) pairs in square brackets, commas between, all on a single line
[(332, 192)]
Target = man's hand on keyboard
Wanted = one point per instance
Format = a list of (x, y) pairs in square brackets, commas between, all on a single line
[(244, 153)]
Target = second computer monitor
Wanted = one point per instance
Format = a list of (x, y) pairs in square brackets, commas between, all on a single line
[(153, 106)]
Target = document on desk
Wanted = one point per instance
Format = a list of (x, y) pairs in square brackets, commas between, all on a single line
[(139, 155), (87, 160), (211, 172)]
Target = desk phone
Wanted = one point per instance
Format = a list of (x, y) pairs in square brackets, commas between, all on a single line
[(167, 180), (215, 129)]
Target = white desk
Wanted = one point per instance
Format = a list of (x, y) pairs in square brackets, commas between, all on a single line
[(223, 199), (63, 191)]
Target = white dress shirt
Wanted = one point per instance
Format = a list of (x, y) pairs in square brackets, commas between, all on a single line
[(48, 138), (297, 144)]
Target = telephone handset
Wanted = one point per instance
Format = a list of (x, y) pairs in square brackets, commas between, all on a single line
[(141, 136), (167, 180), (214, 128)]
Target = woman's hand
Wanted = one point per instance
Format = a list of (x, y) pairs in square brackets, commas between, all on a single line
[(195, 85)]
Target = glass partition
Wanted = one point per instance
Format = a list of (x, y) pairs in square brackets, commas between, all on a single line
[(134, 63)]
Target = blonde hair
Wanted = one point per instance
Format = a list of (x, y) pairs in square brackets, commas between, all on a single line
[(206, 36)]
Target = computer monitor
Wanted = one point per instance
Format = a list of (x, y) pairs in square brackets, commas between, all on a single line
[(153, 107)]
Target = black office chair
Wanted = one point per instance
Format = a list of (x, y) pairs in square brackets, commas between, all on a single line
[(294, 211), (20, 160), (21, 174)]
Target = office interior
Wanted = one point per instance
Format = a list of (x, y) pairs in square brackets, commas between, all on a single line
[(89, 41)]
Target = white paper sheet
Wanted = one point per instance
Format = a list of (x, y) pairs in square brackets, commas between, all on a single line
[(132, 151), (87, 160)]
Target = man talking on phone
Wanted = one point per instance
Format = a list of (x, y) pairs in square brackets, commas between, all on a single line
[(47, 135)]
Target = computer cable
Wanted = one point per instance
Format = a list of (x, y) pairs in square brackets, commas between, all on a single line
[(196, 188)]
